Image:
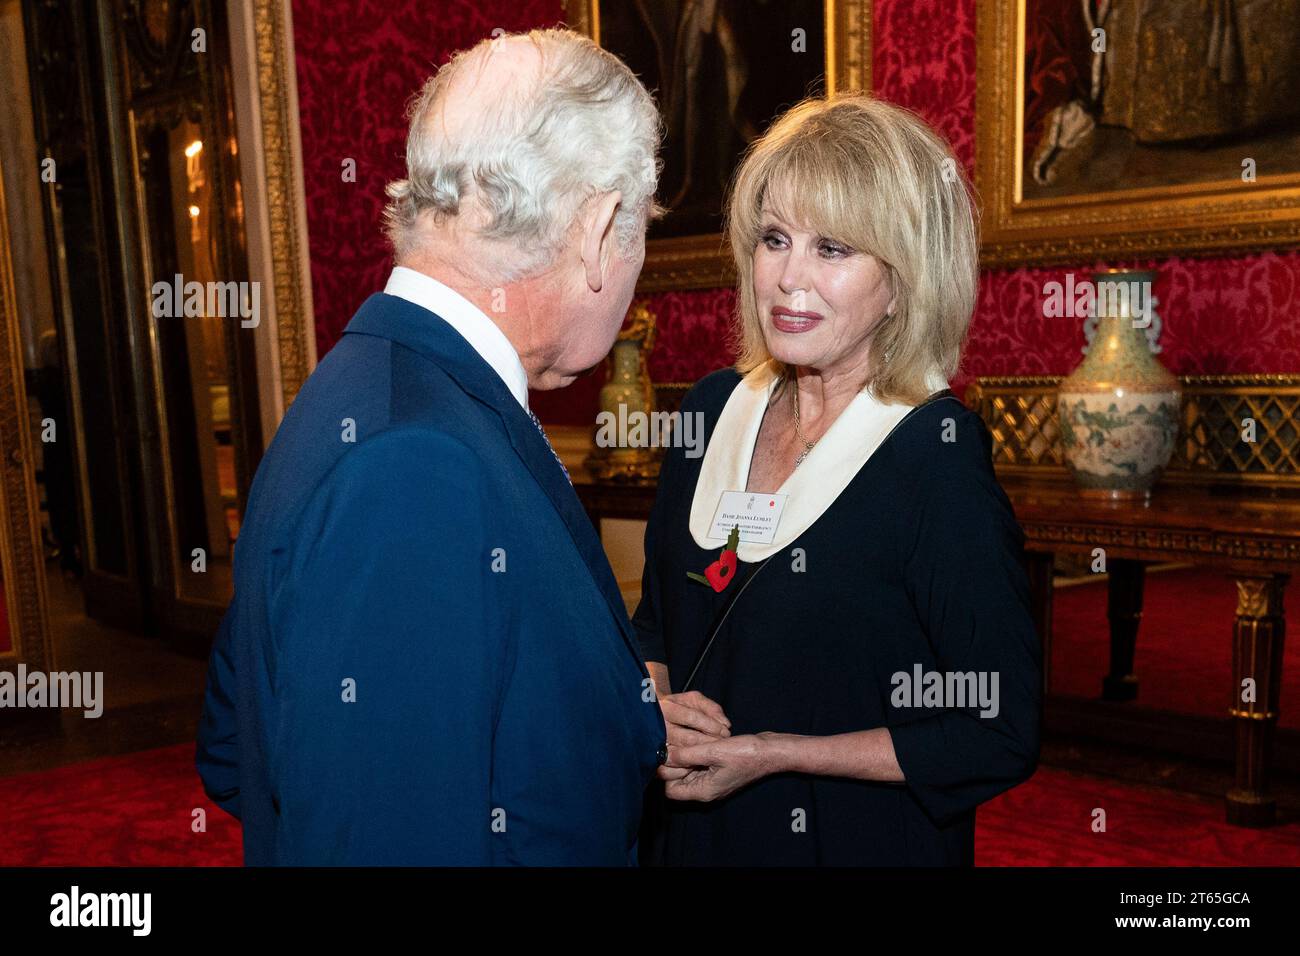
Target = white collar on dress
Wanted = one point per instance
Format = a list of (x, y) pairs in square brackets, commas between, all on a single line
[(483, 335), (838, 455)]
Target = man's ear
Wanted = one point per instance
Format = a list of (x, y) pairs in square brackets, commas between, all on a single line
[(598, 236)]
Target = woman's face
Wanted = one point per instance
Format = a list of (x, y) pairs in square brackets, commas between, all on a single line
[(819, 301)]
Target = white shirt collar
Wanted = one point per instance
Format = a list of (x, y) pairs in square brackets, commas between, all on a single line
[(483, 335), (813, 487)]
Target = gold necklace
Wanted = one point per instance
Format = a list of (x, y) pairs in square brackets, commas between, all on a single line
[(798, 431)]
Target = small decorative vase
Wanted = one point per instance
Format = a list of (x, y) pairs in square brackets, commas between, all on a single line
[(628, 399), (1119, 409)]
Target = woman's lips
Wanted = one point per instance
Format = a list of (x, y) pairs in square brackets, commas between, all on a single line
[(787, 320)]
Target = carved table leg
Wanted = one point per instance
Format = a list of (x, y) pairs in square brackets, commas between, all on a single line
[(1257, 640), (1124, 611), (1038, 567)]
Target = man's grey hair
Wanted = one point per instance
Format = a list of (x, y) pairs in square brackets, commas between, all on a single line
[(534, 155)]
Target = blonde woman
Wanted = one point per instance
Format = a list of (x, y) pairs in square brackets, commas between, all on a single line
[(864, 672)]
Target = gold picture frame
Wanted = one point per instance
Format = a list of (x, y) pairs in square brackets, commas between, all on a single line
[(701, 261), (1218, 217)]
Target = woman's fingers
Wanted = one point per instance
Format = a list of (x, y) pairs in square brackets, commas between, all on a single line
[(697, 755), (693, 698), (666, 772), (679, 736), (684, 715), (694, 785), (685, 741)]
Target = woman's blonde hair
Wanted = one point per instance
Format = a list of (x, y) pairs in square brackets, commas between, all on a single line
[(877, 178)]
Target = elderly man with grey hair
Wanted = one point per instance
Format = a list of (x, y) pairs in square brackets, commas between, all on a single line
[(427, 659)]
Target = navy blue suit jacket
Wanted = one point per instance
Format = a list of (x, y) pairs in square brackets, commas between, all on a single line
[(426, 659)]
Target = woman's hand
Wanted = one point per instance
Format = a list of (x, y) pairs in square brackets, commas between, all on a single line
[(718, 768), (691, 718)]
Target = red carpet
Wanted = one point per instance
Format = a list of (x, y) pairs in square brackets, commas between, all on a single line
[(1183, 660), (135, 810), (1048, 822), (132, 810)]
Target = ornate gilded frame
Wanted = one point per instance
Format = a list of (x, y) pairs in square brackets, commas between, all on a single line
[(702, 262), (275, 209), (1204, 218), (21, 555)]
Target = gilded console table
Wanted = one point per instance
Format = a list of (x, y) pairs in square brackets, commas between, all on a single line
[(1223, 503)]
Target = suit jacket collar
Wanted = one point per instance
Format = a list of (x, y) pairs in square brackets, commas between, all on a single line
[(425, 332), (468, 320)]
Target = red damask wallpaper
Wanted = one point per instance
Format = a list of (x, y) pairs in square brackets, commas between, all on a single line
[(359, 63), (1220, 315), (357, 66)]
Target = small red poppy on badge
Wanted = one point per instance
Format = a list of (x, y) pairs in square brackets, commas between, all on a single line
[(719, 574)]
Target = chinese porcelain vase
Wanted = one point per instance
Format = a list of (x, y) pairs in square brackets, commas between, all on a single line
[(1119, 409)]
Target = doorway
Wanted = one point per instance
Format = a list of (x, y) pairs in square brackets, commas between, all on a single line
[(143, 405)]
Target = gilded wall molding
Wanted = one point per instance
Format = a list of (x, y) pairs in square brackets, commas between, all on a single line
[(20, 536), (271, 164)]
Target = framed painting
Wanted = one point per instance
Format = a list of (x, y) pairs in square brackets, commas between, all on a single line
[(721, 71), (1112, 130)]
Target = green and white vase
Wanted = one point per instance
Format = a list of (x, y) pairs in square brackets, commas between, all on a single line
[(1119, 409)]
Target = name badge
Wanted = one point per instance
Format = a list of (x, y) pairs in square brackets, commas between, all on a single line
[(756, 514)]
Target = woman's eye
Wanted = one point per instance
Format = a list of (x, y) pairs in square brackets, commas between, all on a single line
[(771, 240), (833, 249)]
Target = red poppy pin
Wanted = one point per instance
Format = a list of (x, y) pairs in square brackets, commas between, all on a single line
[(719, 574)]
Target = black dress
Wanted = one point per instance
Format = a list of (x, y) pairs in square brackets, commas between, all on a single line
[(916, 562)]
